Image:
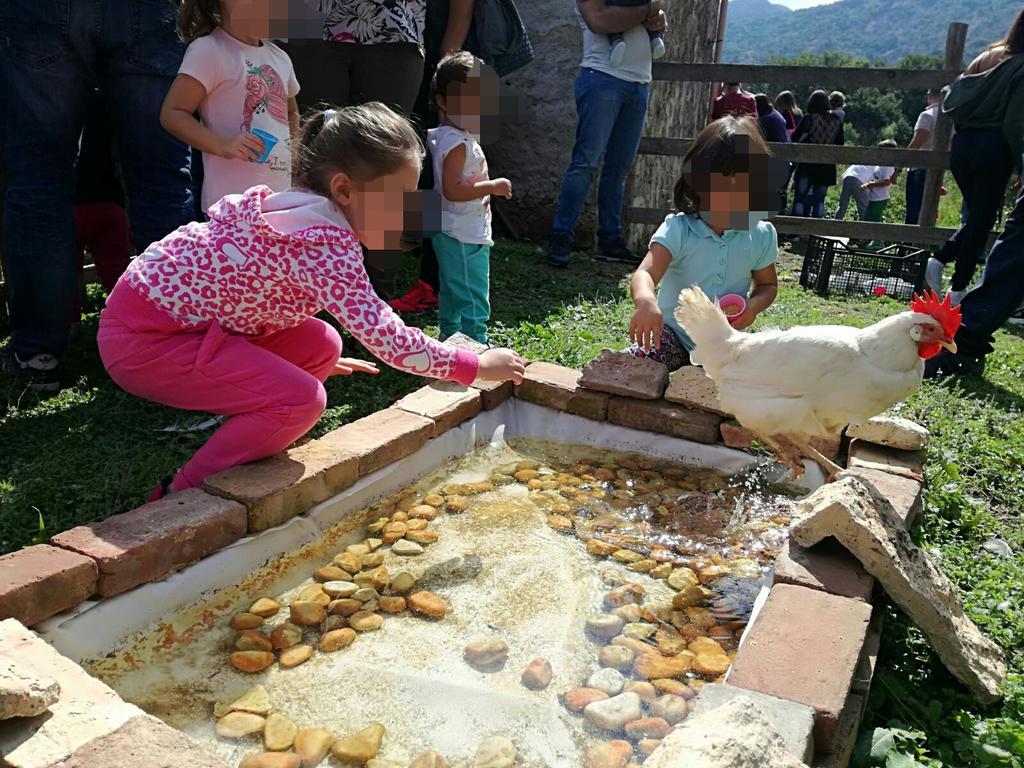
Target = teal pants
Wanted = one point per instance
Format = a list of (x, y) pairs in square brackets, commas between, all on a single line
[(464, 294)]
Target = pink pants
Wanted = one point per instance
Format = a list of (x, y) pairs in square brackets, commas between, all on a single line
[(271, 386)]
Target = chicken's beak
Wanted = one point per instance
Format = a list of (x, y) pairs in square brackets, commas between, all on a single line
[(948, 344)]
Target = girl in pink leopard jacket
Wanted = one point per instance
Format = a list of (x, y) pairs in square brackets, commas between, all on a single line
[(218, 316)]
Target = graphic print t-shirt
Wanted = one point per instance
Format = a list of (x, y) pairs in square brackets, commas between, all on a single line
[(468, 222), (247, 89)]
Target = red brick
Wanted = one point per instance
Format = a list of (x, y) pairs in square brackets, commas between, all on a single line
[(156, 539), (280, 487), (666, 418), (382, 438), (143, 742), (891, 460), (493, 393), (804, 646), (903, 493), (846, 736), (445, 403), (41, 581), (735, 436), (558, 387), (826, 566)]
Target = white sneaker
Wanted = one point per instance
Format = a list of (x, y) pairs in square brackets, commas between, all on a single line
[(956, 297), (618, 53), (933, 275), (657, 48)]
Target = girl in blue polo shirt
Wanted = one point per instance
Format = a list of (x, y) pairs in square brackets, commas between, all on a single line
[(716, 240)]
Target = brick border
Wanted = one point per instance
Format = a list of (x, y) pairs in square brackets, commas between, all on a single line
[(131, 549)]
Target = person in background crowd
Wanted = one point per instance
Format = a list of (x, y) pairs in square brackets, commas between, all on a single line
[(837, 105), (785, 104), (52, 57), (734, 101), (987, 109), (773, 125), (923, 138), (611, 103), (244, 88), (865, 183), (812, 180), (101, 222)]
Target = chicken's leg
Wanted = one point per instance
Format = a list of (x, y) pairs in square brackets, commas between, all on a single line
[(831, 468), (784, 456)]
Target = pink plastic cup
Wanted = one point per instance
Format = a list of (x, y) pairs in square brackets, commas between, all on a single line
[(732, 305)]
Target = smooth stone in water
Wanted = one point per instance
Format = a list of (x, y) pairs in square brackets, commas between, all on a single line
[(297, 654), (349, 562), (307, 613), (681, 578), (251, 661), (608, 680), (345, 607), (373, 560), (604, 625), (608, 754), (237, 725), (577, 699), (402, 582), (406, 548), (271, 760), (365, 621), (279, 733), (648, 728), (392, 604), (615, 657), (646, 691), (285, 636), (365, 594), (312, 745), (245, 620), (337, 639), (422, 537), (429, 760), (265, 607), (251, 640), (361, 746), (639, 630), (427, 604), (613, 714), (255, 700), (486, 654), (495, 752), (337, 589), (537, 674), (671, 708), (330, 573)]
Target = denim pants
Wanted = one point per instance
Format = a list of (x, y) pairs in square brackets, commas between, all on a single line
[(915, 194), (981, 162), (610, 123), (1001, 291), (52, 56), (464, 293), (809, 199)]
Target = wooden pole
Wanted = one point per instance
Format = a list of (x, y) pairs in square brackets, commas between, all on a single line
[(723, 10), (953, 61)]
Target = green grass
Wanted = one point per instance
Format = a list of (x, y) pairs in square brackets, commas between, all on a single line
[(94, 451)]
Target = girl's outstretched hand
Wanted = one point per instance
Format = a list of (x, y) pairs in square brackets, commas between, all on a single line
[(346, 366), (501, 365), (646, 326)]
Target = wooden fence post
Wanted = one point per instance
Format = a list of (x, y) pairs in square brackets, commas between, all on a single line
[(955, 39)]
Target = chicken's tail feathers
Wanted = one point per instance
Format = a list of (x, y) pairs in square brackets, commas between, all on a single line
[(701, 318)]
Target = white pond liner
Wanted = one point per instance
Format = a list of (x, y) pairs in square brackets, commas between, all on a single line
[(531, 590)]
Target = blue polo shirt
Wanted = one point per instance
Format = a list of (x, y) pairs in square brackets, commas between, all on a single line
[(719, 265)]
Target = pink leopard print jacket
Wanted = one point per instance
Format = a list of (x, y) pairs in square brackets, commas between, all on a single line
[(265, 262)]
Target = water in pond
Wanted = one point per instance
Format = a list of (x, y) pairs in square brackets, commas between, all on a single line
[(583, 558)]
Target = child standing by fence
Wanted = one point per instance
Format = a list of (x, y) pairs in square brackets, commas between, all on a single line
[(219, 316), (243, 87), (464, 243)]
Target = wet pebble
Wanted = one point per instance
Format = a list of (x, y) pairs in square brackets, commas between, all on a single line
[(416, 525), (373, 544), (604, 625), (238, 725), (422, 537), (495, 752), (676, 687), (671, 708), (608, 680), (680, 578), (294, 656), (251, 640), (349, 562), (271, 760), (433, 499), (312, 745), (361, 746), (429, 760), (265, 607), (337, 589), (577, 699), (330, 573), (279, 733), (392, 604), (365, 621), (427, 604), (406, 548), (246, 620), (377, 579), (646, 747), (378, 762), (624, 595), (646, 691), (307, 613), (628, 613), (711, 664), (373, 560), (608, 754), (654, 665), (487, 654), (423, 512), (456, 505), (648, 728), (393, 532), (337, 639), (639, 630), (251, 661), (345, 607), (255, 700), (613, 714), (365, 594), (402, 582), (615, 657), (537, 674)]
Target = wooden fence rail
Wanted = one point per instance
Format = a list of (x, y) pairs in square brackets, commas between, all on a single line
[(850, 77)]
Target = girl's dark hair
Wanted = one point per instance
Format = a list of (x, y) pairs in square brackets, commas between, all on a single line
[(785, 101), (764, 104), (455, 67), (197, 18), (728, 145), (1014, 40), (818, 103), (365, 142), (837, 99)]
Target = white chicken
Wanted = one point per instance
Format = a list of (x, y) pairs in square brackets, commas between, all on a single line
[(788, 386)]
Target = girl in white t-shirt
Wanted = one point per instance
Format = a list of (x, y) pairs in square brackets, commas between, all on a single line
[(464, 243), (243, 87)]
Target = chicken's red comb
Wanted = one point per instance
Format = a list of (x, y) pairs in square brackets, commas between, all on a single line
[(943, 311)]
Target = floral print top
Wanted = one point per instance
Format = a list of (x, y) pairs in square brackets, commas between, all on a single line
[(372, 22)]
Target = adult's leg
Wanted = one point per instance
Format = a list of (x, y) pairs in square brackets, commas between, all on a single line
[(597, 106), (141, 55), (271, 401), (323, 69), (45, 58), (801, 195), (915, 194), (623, 143), (819, 192)]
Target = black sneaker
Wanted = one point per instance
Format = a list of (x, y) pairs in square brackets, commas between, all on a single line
[(559, 249), (616, 251), (947, 364), (39, 372), (1017, 318)]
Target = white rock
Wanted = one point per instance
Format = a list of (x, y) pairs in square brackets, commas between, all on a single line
[(24, 692), (406, 547), (608, 680), (338, 589), (998, 547), (734, 735), (495, 752), (891, 431), (865, 523), (612, 714)]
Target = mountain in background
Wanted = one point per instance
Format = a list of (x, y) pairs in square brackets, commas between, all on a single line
[(884, 30)]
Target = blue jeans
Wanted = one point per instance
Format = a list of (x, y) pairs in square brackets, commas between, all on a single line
[(1001, 291), (52, 55), (915, 194), (809, 199), (611, 121)]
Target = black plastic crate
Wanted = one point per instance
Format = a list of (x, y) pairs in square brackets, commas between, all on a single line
[(832, 265)]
